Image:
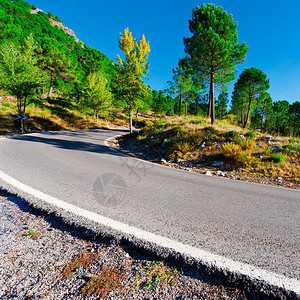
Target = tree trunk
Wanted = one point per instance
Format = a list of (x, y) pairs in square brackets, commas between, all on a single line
[(137, 113), (51, 86), (248, 113), (186, 109), (130, 122), (179, 104), (212, 98)]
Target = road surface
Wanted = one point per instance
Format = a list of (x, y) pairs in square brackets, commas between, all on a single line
[(249, 223)]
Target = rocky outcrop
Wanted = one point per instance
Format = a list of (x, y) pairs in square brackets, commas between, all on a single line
[(53, 22)]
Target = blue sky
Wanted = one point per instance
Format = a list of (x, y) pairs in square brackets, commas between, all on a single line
[(271, 28)]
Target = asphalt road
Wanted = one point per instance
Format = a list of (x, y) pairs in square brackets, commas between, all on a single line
[(250, 223)]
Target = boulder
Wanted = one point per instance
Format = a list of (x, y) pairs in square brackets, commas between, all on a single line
[(208, 173), (220, 173), (218, 163)]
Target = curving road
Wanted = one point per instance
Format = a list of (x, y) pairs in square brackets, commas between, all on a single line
[(249, 223)]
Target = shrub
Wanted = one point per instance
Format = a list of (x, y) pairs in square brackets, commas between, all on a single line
[(250, 134), (194, 139), (276, 157), (209, 138), (212, 130), (248, 161), (291, 149), (247, 144), (177, 130), (141, 138), (5, 104), (180, 149), (232, 152), (148, 123), (231, 134), (33, 7)]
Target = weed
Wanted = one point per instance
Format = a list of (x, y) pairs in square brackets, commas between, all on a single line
[(83, 259), (291, 149), (6, 104), (180, 149), (231, 134), (108, 280), (197, 121), (250, 134), (232, 152), (141, 138), (209, 138), (32, 234), (276, 157), (247, 144), (212, 130), (154, 274), (177, 130)]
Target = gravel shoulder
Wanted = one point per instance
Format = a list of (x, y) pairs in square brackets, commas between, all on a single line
[(43, 257)]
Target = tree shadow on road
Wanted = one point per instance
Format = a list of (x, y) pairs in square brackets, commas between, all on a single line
[(68, 144)]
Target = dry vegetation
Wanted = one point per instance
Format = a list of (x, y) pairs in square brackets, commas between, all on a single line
[(193, 144)]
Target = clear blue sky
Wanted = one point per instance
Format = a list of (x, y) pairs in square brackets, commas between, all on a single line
[(271, 28)]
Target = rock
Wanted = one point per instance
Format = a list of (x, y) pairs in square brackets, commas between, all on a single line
[(279, 179), (275, 141), (275, 148), (207, 131), (179, 160), (163, 161), (215, 143), (268, 138), (258, 144), (218, 147), (242, 137), (220, 173), (218, 163), (202, 145), (208, 173)]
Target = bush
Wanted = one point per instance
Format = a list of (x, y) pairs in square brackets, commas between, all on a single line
[(232, 152), (250, 134), (177, 130), (212, 130), (276, 157), (180, 149), (231, 134), (194, 139), (141, 138), (247, 144), (209, 138), (291, 149), (33, 7)]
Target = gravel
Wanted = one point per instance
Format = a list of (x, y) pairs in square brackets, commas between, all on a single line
[(37, 251)]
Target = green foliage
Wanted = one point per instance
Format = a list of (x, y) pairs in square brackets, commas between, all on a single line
[(291, 149), (177, 130), (249, 88), (211, 129), (213, 50), (276, 157), (231, 134), (247, 144), (18, 71), (96, 94), (197, 121), (180, 149), (250, 134)]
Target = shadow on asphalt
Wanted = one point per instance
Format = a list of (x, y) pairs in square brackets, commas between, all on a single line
[(69, 145)]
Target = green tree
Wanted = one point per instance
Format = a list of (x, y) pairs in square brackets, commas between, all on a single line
[(96, 94), (19, 74), (281, 117), (262, 114), (213, 50), (133, 69), (54, 60), (248, 89), (294, 121), (180, 87), (221, 105)]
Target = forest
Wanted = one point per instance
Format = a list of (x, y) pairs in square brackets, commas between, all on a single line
[(40, 63)]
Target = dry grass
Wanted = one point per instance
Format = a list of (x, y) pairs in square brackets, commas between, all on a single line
[(84, 260), (108, 280)]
